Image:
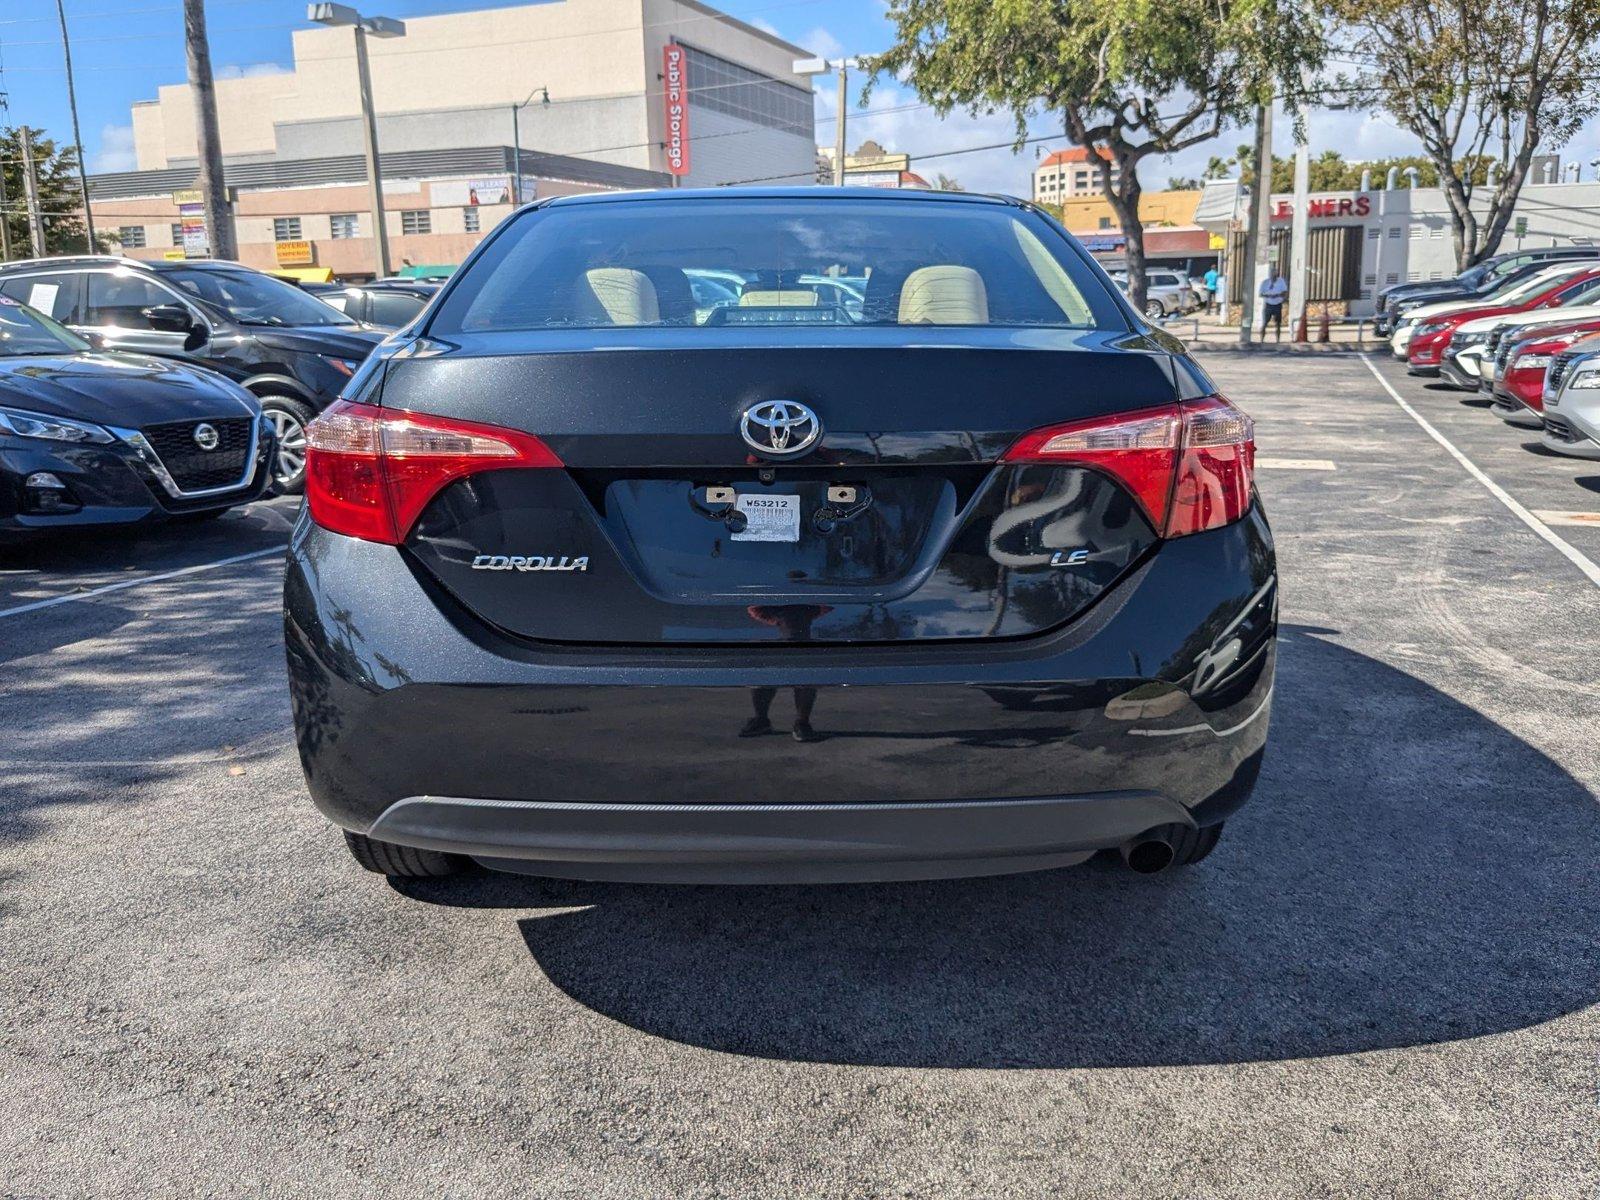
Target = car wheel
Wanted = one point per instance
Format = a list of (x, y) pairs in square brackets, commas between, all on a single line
[(1154, 309), (401, 862), (289, 420)]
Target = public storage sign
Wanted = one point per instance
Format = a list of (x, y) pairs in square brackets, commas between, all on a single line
[(675, 71)]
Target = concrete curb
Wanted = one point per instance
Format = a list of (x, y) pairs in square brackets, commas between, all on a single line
[(1288, 348)]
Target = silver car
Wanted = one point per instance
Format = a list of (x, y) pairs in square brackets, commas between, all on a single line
[(1166, 293), (1572, 402)]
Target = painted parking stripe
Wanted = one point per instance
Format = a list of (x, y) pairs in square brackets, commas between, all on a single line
[(1567, 550), (1579, 520), (120, 585), (1295, 464)]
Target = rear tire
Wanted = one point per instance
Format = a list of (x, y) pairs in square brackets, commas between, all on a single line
[(401, 862)]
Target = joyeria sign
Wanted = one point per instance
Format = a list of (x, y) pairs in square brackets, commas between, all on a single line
[(675, 90)]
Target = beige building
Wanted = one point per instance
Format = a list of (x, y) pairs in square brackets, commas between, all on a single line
[(1067, 174), (444, 95)]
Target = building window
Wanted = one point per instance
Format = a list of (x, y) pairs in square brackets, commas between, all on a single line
[(471, 220), (1435, 274), (1416, 233), (344, 225), (1372, 234), (726, 87), (1105, 222), (1413, 276), (177, 234), (1392, 277), (1369, 279), (416, 220), (131, 237), (1437, 233), (286, 229), (1394, 231)]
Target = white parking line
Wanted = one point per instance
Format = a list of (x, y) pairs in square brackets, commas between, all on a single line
[(1571, 553), (91, 593)]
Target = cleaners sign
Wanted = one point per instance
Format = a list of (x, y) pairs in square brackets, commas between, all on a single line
[(675, 76)]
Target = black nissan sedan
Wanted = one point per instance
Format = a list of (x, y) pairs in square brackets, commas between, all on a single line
[(96, 439), (963, 574)]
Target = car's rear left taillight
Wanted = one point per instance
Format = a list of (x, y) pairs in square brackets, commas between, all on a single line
[(371, 471), (1190, 465)]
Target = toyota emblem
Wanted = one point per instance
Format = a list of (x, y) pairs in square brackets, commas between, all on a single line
[(780, 427), (206, 436)]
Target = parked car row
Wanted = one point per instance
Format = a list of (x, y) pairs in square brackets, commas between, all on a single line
[(1532, 344), (133, 392)]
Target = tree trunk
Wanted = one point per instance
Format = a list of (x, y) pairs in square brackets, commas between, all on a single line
[(1124, 200), (219, 226)]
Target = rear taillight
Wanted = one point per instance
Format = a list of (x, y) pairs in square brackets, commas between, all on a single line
[(371, 471), (1189, 465)]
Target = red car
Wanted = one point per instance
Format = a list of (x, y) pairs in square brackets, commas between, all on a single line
[(1430, 339), (1523, 357)]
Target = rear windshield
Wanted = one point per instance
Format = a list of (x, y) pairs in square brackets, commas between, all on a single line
[(776, 263)]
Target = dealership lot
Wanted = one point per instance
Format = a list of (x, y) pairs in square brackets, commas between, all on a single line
[(1383, 982)]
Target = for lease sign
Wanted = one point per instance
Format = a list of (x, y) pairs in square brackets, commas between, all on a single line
[(675, 77)]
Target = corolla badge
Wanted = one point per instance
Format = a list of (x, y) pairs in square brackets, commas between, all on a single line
[(528, 562), (206, 436), (779, 427)]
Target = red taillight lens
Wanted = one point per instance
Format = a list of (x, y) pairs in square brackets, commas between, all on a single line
[(1189, 465), (371, 471)]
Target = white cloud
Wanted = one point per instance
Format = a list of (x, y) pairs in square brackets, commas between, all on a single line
[(251, 70), (765, 26), (822, 43), (116, 150)]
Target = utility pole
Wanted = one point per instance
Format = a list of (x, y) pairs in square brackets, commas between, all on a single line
[(1259, 245), (838, 134), (382, 27), (1298, 227), (219, 225), (77, 138), (30, 191)]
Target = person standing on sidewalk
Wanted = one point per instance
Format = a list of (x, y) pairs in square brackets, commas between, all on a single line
[(1274, 291), (1209, 281)]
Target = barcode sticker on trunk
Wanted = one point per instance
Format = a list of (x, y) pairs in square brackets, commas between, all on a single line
[(768, 518)]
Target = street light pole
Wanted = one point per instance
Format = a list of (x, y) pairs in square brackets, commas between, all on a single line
[(77, 138), (382, 27), (516, 141), (820, 66)]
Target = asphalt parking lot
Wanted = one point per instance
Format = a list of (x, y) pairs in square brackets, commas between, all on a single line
[(1384, 982)]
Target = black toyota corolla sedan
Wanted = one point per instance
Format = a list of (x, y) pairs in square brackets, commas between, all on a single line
[(95, 439), (956, 570)]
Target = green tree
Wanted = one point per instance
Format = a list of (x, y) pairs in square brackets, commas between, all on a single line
[(1183, 183), (1130, 76), (1476, 80), (60, 201)]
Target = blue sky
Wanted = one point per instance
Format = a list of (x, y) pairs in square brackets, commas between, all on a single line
[(124, 49)]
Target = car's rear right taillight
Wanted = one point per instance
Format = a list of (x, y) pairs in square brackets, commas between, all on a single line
[(371, 471), (1190, 466)]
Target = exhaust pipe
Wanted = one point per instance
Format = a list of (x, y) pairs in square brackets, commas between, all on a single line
[(1148, 854)]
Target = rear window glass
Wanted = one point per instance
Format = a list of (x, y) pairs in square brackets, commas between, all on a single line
[(776, 263)]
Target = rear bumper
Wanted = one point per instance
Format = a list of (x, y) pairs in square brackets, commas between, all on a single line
[(422, 726), (811, 843)]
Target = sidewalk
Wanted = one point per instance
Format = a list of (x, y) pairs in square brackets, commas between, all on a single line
[(1204, 335)]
